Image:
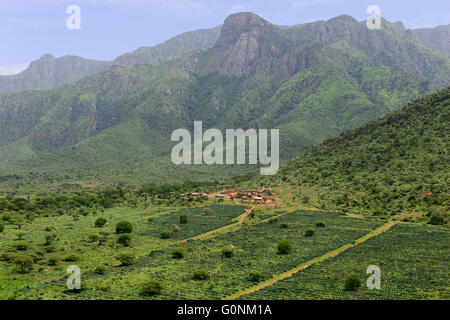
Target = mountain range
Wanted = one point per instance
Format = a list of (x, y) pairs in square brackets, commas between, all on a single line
[(312, 81)]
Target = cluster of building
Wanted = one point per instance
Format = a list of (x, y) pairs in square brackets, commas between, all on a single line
[(257, 196)]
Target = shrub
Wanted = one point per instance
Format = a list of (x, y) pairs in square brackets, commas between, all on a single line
[(20, 235), (2, 227), (124, 227), (21, 245), (201, 275), (352, 283), (177, 253), (206, 210), (166, 234), (93, 237), (284, 225), (151, 288), (50, 249), (254, 276), (227, 252), (7, 217), (100, 269), (23, 262), (183, 218), (284, 247), (273, 220), (100, 222), (107, 203), (309, 232), (49, 239), (320, 224), (437, 219), (71, 258), (125, 258), (52, 261), (124, 239)]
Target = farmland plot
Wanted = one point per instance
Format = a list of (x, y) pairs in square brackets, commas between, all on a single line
[(414, 262), (72, 238), (254, 248)]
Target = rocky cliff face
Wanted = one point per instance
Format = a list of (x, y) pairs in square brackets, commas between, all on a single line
[(247, 44)]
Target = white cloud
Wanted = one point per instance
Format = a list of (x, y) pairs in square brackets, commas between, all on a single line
[(13, 69)]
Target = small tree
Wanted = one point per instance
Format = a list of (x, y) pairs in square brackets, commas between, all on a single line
[(21, 245), (2, 227), (49, 238), (284, 225), (100, 222), (72, 258), (100, 269), (201, 275), (52, 261), (124, 239), (23, 263), (320, 224), (151, 288), (437, 219), (254, 276), (227, 252), (125, 259), (353, 282), (309, 232), (206, 210), (284, 247), (124, 227), (93, 237), (183, 219), (166, 234), (20, 235), (103, 237), (177, 253)]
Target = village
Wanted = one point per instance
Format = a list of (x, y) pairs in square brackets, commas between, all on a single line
[(260, 196)]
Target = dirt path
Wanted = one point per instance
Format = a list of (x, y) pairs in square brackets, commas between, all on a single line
[(305, 265), (206, 234)]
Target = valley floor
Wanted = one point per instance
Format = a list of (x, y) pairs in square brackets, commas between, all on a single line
[(413, 258)]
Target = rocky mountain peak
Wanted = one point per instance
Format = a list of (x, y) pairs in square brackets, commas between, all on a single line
[(242, 24)]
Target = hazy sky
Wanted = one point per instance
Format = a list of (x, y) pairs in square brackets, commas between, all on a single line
[(30, 28)]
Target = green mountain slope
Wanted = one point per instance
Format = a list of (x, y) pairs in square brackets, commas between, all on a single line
[(50, 72), (390, 166), (173, 48), (437, 38), (311, 81)]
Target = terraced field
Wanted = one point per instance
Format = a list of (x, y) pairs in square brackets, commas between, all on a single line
[(414, 262)]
